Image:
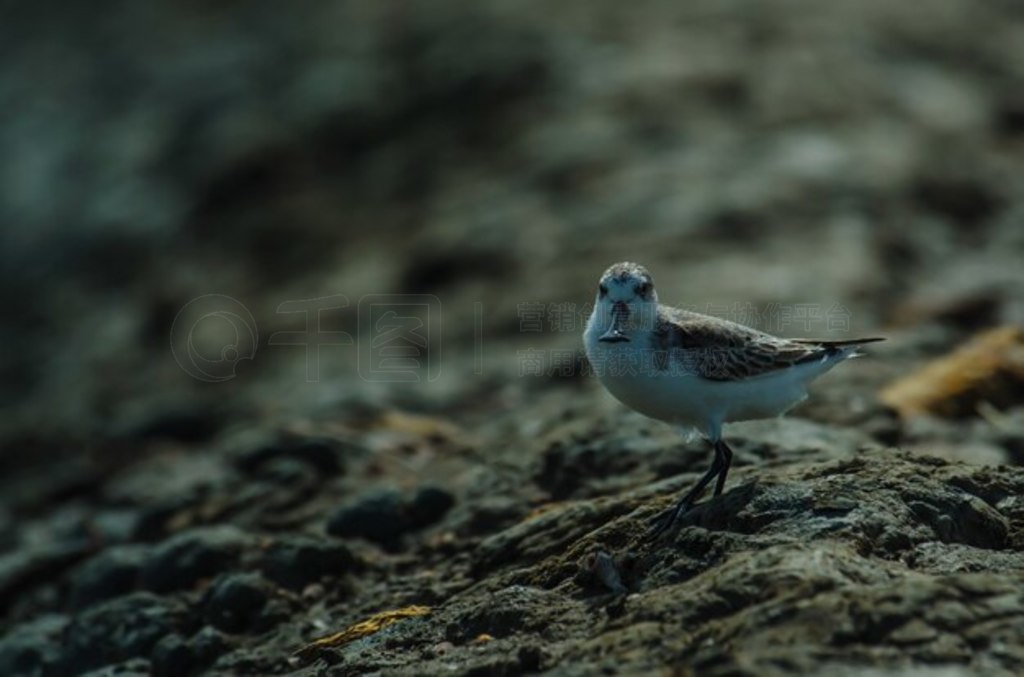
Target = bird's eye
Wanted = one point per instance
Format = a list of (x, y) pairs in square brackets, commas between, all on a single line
[(603, 290), (643, 289)]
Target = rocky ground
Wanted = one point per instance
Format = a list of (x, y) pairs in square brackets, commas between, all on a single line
[(826, 170)]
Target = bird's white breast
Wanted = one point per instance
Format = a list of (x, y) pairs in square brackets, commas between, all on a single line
[(630, 375)]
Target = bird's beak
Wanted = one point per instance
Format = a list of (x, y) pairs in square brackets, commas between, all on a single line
[(614, 334)]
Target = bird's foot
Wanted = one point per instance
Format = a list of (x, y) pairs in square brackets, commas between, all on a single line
[(663, 522)]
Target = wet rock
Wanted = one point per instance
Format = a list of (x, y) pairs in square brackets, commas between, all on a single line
[(487, 514), (870, 176), (33, 565), (378, 516), (583, 457), (942, 558), (165, 484), (183, 559), (235, 601), (961, 519), (172, 656), (113, 572), (548, 532), (383, 516), (132, 666), (779, 439), (32, 648), (116, 525), (567, 469), (323, 455), (513, 610), (193, 423), (120, 629), (208, 644), (50, 482), (296, 561), (288, 472), (429, 505)]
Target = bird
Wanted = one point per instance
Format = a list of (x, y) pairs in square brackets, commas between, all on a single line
[(695, 371)]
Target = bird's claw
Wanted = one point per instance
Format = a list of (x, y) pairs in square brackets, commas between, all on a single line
[(663, 522)]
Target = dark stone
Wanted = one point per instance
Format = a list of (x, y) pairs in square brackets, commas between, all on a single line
[(296, 561), (113, 572), (183, 559), (429, 505), (195, 424), (235, 601), (566, 470), (30, 568), (117, 525), (172, 656), (123, 628), (489, 513), (383, 516), (208, 644), (153, 518), (321, 454), (288, 472), (378, 516), (32, 648)]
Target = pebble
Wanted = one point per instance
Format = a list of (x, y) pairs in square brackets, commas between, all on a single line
[(172, 656), (378, 516), (383, 516), (324, 455), (33, 647), (294, 562), (113, 572), (183, 559), (234, 602), (120, 629)]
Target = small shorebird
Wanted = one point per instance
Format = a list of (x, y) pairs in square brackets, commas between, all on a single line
[(696, 371)]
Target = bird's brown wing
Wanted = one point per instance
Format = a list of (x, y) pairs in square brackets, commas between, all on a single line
[(719, 350)]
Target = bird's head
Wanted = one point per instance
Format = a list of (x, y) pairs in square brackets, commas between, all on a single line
[(626, 301)]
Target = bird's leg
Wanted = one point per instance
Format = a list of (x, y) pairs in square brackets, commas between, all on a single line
[(721, 448), (664, 521)]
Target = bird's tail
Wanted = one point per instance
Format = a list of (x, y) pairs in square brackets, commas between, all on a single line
[(846, 346), (839, 344)]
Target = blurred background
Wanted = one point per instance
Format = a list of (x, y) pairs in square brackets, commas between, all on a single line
[(864, 159), (861, 154)]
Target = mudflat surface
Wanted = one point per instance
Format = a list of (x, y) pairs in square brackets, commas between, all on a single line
[(825, 171)]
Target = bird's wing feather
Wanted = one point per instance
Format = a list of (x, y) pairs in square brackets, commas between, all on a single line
[(719, 350)]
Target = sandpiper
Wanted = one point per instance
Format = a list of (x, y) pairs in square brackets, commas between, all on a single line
[(696, 371)]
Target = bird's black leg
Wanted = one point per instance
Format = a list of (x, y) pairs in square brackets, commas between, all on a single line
[(664, 521), (722, 449)]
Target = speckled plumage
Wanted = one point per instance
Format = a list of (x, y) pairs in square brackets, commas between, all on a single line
[(696, 371), (720, 350)]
